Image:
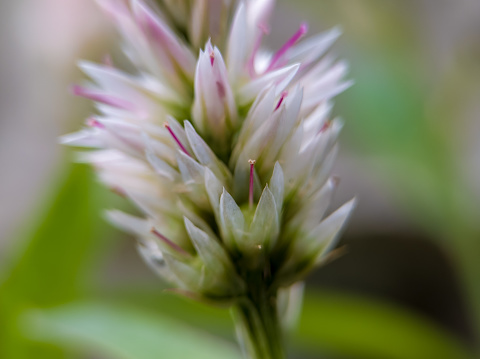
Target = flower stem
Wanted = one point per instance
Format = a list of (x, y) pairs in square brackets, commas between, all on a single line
[(258, 325)]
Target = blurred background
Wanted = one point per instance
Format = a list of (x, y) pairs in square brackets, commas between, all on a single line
[(407, 285)]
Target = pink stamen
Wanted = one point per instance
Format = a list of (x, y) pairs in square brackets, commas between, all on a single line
[(325, 126), (292, 41), (182, 147), (251, 61), (284, 93), (103, 98), (93, 122), (168, 242), (250, 190), (212, 57)]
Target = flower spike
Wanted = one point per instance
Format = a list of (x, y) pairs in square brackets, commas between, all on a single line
[(235, 185)]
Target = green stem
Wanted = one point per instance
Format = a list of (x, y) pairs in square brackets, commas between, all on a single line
[(258, 325)]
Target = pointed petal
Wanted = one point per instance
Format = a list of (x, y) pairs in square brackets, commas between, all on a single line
[(277, 186), (209, 250), (128, 223), (327, 232), (163, 37), (187, 275), (231, 220), (281, 78), (154, 258), (83, 138), (191, 170), (265, 226), (214, 190), (237, 45), (204, 154)]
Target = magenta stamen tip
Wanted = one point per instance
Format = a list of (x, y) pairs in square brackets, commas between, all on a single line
[(77, 90), (303, 28), (93, 122), (212, 57)]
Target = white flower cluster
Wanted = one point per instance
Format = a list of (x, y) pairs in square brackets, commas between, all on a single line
[(228, 157)]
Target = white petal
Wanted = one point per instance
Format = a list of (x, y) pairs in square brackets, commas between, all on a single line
[(83, 138), (191, 170), (168, 41), (327, 232), (214, 190), (237, 46), (128, 223), (154, 258), (312, 48), (204, 154), (313, 208), (209, 250), (277, 186)]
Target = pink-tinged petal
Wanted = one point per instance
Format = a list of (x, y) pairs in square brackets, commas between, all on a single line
[(280, 78), (312, 48), (258, 18), (197, 28), (214, 106), (159, 32), (103, 98), (325, 86), (177, 141), (292, 41), (264, 30), (138, 89), (237, 45)]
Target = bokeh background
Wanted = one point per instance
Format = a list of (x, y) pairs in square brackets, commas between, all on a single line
[(408, 282)]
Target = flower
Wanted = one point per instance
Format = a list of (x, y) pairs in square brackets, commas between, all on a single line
[(237, 192)]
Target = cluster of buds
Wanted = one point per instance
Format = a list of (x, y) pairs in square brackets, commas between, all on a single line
[(227, 154)]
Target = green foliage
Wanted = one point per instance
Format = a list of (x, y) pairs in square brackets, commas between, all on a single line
[(49, 269), (124, 333), (364, 328)]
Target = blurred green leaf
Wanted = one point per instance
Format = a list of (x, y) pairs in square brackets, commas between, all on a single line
[(56, 255), (215, 320), (371, 329), (124, 333), (51, 265), (335, 322)]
